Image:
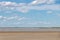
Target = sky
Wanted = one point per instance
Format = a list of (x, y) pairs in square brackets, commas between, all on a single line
[(29, 13)]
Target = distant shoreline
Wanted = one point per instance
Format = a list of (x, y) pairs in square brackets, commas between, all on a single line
[(28, 29)]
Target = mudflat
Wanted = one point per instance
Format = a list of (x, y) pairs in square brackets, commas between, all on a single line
[(29, 35)]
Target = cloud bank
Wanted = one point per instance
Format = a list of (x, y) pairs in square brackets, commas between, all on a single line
[(34, 5)]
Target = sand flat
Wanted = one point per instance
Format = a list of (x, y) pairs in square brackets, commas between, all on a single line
[(29, 35)]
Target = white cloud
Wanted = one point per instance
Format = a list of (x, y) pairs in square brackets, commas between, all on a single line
[(1, 17), (4, 20), (46, 7), (33, 23), (7, 3), (50, 1), (17, 23), (43, 22), (35, 2), (23, 7), (17, 18), (12, 20), (21, 18), (13, 6), (49, 12), (39, 22), (58, 15)]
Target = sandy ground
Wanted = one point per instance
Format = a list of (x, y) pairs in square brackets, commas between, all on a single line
[(29, 35)]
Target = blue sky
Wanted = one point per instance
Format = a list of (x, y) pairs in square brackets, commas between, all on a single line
[(29, 13)]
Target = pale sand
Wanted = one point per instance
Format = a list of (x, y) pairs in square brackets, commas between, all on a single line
[(29, 35)]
